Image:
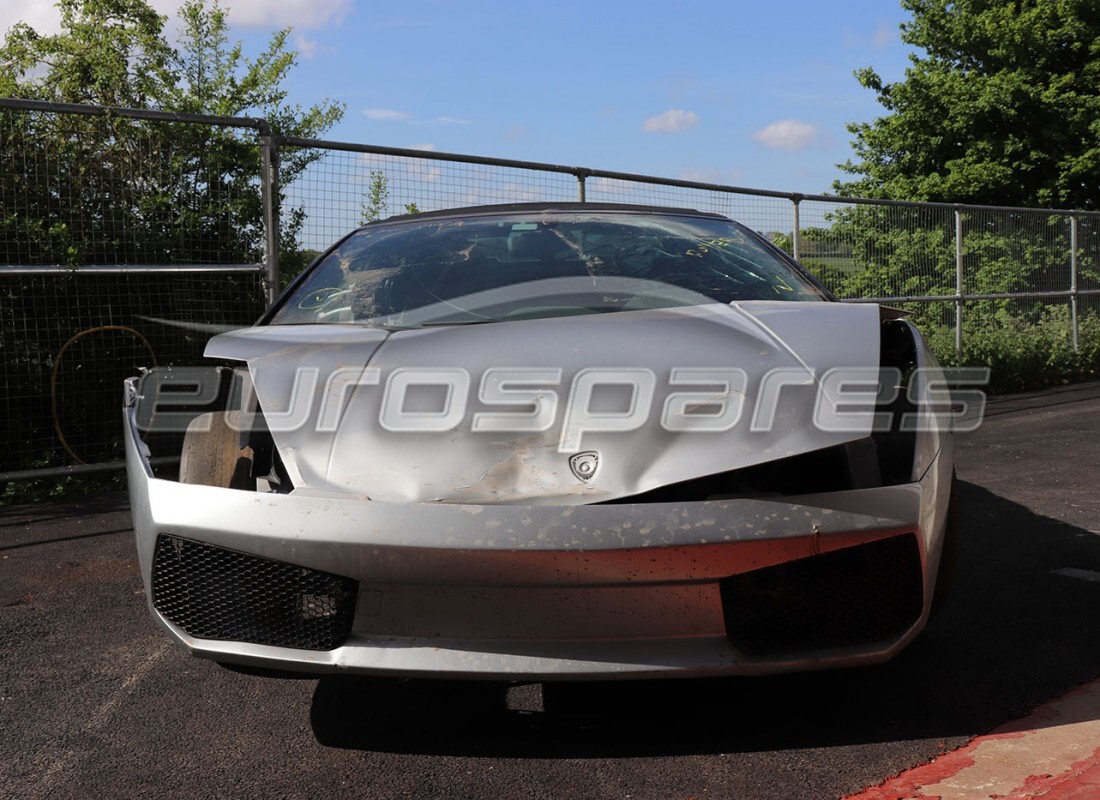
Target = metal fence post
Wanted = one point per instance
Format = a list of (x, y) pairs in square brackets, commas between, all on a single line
[(958, 284), (796, 234), (1073, 278), (582, 175), (269, 186)]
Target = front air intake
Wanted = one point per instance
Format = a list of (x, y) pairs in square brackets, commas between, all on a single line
[(868, 594), (214, 593)]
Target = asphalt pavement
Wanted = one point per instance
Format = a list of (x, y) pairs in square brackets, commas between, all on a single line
[(95, 700)]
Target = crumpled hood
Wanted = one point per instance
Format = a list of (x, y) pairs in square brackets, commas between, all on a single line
[(564, 410)]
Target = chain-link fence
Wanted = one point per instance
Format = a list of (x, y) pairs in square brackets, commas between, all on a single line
[(127, 237), (981, 282)]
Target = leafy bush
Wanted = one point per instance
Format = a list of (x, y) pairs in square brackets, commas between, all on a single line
[(1024, 353)]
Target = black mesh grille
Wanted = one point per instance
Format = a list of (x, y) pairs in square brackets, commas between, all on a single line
[(860, 595), (214, 593)]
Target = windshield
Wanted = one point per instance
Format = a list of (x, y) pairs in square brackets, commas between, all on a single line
[(463, 270)]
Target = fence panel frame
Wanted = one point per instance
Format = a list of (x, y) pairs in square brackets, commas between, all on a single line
[(270, 144), (268, 267)]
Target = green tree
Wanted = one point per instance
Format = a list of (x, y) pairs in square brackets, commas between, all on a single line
[(108, 52), (1000, 105), (84, 190), (376, 199), (103, 190)]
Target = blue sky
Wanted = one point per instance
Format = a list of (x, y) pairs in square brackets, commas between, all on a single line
[(753, 94), (678, 90)]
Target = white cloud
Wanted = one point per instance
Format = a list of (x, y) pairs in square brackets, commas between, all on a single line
[(44, 17), (375, 24), (393, 115), (387, 115), (409, 169), (283, 13), (610, 189), (39, 14), (787, 134), (719, 176), (884, 35), (675, 120), (307, 48)]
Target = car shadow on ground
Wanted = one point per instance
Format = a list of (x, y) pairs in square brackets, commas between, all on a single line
[(1019, 627)]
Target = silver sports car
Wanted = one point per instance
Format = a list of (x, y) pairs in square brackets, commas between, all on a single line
[(548, 441)]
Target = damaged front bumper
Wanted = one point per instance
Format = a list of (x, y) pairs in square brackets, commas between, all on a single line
[(742, 586)]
